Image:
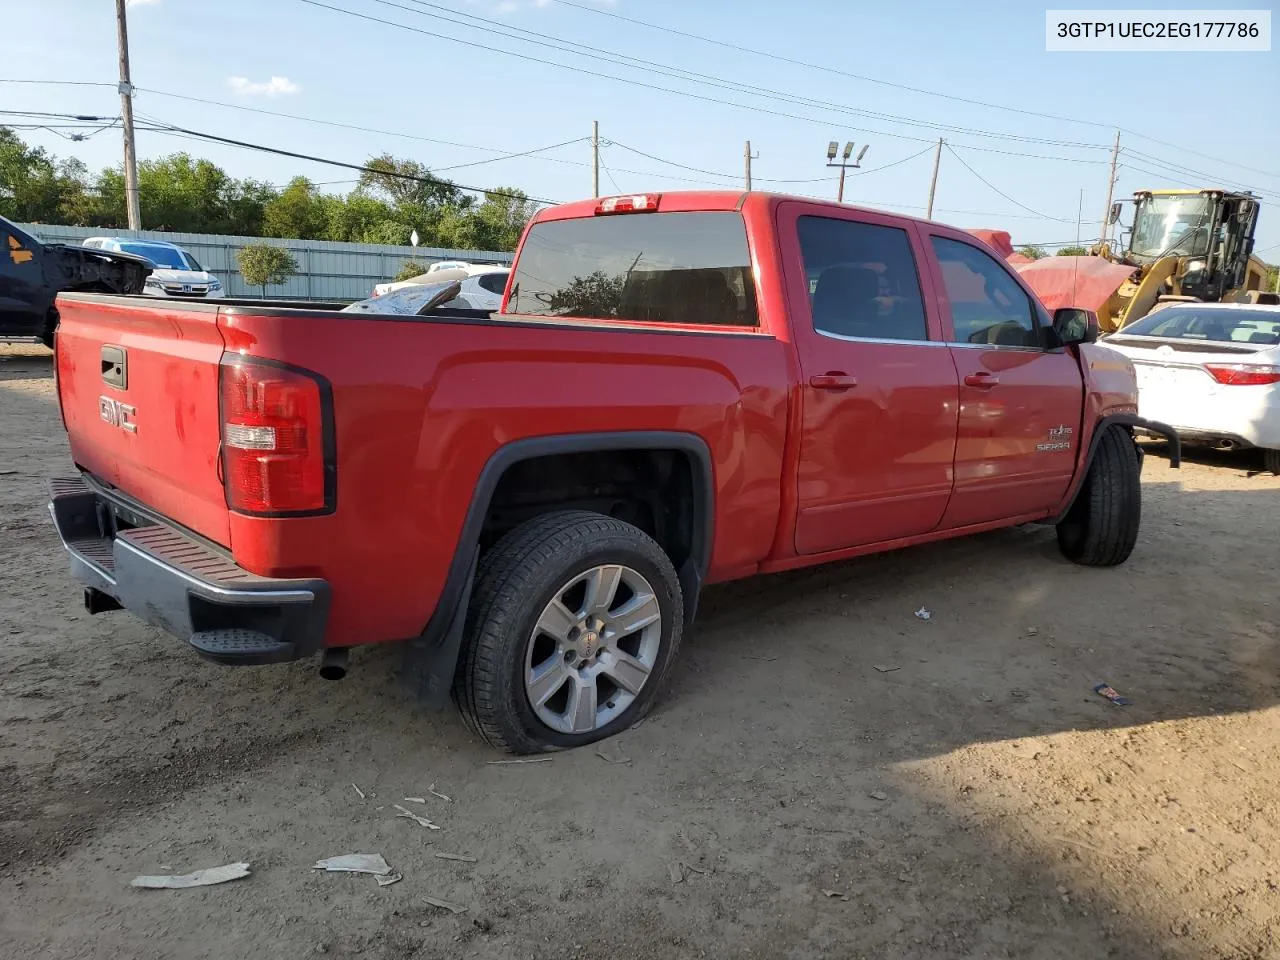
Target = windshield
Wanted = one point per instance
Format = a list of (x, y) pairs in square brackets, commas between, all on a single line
[(1172, 225), (691, 268), (170, 258), (1260, 327)]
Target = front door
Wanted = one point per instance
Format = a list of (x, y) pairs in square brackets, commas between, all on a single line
[(1021, 400), (878, 386)]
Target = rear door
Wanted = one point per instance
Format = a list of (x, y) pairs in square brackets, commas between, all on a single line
[(138, 385), (878, 385), (1021, 401)]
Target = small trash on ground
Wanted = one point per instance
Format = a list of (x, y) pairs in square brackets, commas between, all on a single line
[(878, 795), (358, 790), (924, 613), (764, 659), (200, 878), (388, 879), (885, 668), (608, 759), (1108, 691), (1032, 631), (500, 763), (432, 790), (675, 870), (454, 856), (445, 905), (836, 895), (415, 799), (355, 863), (410, 815)]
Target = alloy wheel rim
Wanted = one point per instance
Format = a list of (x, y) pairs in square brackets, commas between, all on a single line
[(593, 649)]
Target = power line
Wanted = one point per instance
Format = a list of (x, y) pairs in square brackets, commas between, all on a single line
[(59, 83), (897, 86), (608, 76), (214, 138), (1043, 216), (680, 73), (1189, 171)]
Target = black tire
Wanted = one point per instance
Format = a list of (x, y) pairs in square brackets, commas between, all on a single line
[(50, 330), (1101, 527), (516, 579), (1271, 461)]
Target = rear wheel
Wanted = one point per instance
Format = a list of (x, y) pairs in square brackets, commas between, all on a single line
[(1271, 461), (574, 620), (1101, 527)]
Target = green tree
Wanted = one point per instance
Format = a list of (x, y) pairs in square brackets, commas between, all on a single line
[(1073, 251), (408, 270), (297, 213), (35, 186), (595, 295), (404, 182), (187, 195), (1032, 252), (262, 265)]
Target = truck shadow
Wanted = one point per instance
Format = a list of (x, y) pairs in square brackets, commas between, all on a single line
[(22, 362)]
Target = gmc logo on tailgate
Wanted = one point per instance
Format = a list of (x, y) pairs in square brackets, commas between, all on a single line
[(118, 414)]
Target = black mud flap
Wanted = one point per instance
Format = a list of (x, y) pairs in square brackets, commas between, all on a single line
[(431, 659)]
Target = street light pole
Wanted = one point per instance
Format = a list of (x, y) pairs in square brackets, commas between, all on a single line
[(844, 163)]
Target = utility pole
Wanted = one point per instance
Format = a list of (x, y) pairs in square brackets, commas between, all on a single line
[(933, 183), (747, 157), (1111, 186), (126, 115), (595, 158)]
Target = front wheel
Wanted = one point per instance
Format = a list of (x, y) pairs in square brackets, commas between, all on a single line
[(1101, 527), (574, 620), (1271, 461)]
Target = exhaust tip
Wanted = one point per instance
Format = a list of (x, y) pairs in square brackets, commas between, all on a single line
[(333, 663)]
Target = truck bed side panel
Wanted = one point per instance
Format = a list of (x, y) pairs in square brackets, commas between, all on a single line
[(422, 406)]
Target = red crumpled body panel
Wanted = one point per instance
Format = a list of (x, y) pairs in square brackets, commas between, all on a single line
[(1084, 282)]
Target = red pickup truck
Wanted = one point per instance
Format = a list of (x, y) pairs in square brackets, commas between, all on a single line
[(680, 389)]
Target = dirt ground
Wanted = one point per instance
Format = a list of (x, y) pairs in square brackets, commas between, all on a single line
[(827, 775)]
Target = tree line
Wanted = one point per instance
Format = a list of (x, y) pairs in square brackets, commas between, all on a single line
[(393, 198)]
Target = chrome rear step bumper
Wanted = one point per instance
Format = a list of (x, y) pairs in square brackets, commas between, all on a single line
[(182, 586)]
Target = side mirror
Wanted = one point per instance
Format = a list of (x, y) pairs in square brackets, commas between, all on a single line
[(1073, 325), (1115, 213)]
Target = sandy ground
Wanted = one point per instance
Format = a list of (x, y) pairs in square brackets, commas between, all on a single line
[(975, 800)]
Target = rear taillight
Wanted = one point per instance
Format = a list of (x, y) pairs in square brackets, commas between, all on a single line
[(1243, 374), (277, 439), (638, 203)]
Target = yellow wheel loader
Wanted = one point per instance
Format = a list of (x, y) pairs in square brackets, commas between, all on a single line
[(1184, 245)]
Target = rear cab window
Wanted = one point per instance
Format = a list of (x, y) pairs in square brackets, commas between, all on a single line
[(689, 268)]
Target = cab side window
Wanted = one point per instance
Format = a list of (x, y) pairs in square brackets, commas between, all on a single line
[(987, 305), (863, 282)]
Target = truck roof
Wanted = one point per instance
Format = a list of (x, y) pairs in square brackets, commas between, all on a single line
[(689, 201)]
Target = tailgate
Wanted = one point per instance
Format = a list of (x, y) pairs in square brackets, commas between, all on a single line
[(138, 386)]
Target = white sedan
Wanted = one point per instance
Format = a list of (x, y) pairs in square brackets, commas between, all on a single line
[(1212, 370), (482, 285)]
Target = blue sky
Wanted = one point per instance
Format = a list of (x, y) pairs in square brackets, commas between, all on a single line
[(1212, 110)]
